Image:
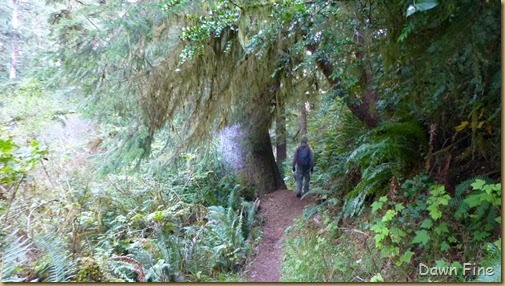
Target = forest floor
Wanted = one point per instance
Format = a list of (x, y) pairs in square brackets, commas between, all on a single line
[(278, 209)]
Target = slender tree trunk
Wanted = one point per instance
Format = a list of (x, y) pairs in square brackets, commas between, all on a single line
[(280, 132), (363, 106), (14, 40), (303, 119)]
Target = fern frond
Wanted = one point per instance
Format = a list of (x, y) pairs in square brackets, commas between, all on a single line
[(387, 150), (353, 206), (59, 265), (13, 256), (137, 266), (466, 184), (373, 181), (492, 258)]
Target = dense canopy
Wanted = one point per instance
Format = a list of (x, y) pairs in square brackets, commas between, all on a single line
[(192, 108)]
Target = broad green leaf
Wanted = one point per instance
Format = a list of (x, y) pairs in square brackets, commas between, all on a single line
[(407, 256), (377, 278), (444, 246), (376, 206), (398, 232), (390, 214), (478, 184), (457, 264), (442, 228), (473, 200), (435, 213), (397, 235), (427, 223), (480, 235), (422, 237), (441, 263)]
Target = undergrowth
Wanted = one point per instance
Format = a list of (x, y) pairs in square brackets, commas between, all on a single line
[(317, 250)]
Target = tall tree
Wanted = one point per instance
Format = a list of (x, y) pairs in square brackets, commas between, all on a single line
[(14, 40), (215, 63)]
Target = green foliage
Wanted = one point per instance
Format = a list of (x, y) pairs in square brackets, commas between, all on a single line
[(480, 209), (29, 110), (426, 225), (89, 271), (492, 258), (13, 256), (226, 234), (382, 153), (18, 161), (328, 254), (160, 73), (55, 265)]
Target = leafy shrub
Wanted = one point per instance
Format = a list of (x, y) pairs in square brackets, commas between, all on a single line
[(412, 221), (479, 209)]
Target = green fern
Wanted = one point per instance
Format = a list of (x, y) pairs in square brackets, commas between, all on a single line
[(479, 219), (383, 152), (353, 206), (228, 242), (58, 265), (250, 213), (464, 186), (13, 256), (492, 258)]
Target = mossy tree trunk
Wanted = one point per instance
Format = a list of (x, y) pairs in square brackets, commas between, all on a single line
[(260, 168)]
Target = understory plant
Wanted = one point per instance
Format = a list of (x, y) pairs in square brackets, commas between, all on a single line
[(418, 222), (317, 250)]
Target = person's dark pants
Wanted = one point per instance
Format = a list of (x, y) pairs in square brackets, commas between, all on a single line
[(302, 175)]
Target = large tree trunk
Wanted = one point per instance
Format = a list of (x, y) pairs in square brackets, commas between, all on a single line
[(261, 170), (14, 40), (247, 147)]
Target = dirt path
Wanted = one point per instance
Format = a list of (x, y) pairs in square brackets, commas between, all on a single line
[(279, 209)]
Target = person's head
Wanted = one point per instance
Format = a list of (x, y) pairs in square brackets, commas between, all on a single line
[(304, 141)]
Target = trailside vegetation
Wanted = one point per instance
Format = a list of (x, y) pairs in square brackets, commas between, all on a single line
[(187, 112)]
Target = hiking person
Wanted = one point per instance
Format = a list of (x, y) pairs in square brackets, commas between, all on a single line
[(304, 161)]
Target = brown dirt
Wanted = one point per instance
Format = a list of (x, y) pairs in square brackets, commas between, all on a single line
[(279, 209)]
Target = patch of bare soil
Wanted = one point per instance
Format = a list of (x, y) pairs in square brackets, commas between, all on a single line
[(279, 209)]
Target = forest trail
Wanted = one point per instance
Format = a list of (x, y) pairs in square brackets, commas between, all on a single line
[(279, 209)]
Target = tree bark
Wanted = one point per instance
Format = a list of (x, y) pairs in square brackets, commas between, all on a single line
[(364, 108), (261, 170), (260, 167), (14, 40), (303, 119)]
